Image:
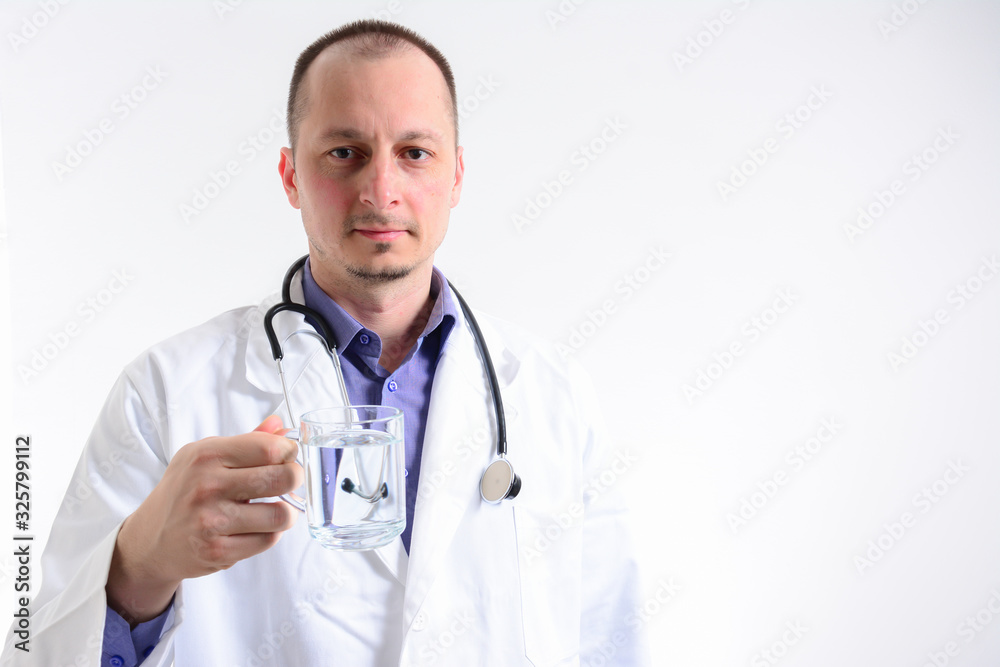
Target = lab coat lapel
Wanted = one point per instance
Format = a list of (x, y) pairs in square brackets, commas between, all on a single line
[(314, 386), (459, 441), (311, 384)]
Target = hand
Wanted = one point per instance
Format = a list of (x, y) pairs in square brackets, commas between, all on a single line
[(198, 520)]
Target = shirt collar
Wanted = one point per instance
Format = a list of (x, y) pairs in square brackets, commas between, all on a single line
[(346, 329)]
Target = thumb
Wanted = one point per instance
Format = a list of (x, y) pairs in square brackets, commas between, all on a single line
[(270, 425)]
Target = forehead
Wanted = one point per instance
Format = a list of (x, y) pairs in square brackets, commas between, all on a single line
[(388, 92)]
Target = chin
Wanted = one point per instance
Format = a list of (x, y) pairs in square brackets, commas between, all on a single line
[(379, 275)]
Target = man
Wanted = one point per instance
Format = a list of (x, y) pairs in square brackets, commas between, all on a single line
[(166, 558)]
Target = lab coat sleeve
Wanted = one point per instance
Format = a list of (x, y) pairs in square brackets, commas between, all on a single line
[(609, 631), (121, 463)]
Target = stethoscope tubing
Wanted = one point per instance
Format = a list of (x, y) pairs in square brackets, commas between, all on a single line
[(326, 335)]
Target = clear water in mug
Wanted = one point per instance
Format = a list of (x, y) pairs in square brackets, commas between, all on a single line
[(343, 520)]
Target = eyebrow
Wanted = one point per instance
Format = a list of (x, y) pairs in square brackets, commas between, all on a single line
[(336, 134)]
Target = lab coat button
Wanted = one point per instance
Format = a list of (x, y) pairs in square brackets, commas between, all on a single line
[(392, 385), (420, 621)]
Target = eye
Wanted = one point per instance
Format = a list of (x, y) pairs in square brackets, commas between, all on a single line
[(343, 153), (416, 153)]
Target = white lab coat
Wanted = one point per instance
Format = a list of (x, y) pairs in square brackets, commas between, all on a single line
[(545, 579)]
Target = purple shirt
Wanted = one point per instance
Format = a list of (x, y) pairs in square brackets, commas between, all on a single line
[(407, 388)]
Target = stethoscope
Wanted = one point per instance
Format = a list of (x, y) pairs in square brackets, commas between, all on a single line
[(499, 480)]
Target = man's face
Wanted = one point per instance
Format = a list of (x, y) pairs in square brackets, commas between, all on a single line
[(376, 171)]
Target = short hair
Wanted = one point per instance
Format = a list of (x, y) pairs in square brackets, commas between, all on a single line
[(372, 39)]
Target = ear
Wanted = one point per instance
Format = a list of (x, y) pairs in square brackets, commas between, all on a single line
[(286, 167), (456, 188)]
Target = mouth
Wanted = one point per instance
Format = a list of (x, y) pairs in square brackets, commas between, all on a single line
[(381, 235)]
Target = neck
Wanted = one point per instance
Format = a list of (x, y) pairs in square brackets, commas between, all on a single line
[(397, 311)]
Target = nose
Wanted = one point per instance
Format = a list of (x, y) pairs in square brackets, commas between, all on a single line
[(380, 183)]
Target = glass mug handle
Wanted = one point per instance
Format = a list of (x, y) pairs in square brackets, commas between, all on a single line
[(291, 498)]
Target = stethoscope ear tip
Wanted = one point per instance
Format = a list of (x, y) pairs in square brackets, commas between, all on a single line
[(348, 487)]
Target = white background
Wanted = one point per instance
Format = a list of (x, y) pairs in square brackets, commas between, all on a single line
[(892, 78)]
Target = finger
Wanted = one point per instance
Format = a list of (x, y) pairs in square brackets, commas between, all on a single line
[(254, 449), (239, 518), (271, 425), (261, 481), (222, 552)]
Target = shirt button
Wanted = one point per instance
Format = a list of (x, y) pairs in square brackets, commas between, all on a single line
[(420, 621), (392, 385), (117, 661), (364, 339)]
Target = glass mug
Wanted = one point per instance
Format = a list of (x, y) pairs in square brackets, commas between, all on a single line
[(353, 458)]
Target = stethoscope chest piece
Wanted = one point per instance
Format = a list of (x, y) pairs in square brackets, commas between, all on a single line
[(499, 482)]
